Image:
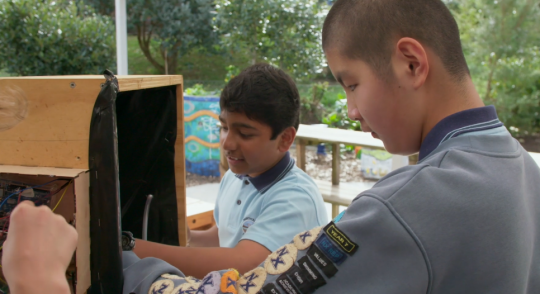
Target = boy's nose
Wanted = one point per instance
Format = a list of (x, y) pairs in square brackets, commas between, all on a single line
[(354, 114), (227, 142)]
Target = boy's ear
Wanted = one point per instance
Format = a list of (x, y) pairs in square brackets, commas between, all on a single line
[(286, 139), (412, 61)]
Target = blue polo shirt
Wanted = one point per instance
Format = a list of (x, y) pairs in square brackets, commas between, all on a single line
[(270, 208)]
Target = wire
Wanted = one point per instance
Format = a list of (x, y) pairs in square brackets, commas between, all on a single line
[(6, 199), (66, 185), (62, 197)]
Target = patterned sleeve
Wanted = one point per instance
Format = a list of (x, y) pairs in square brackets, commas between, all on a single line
[(369, 250)]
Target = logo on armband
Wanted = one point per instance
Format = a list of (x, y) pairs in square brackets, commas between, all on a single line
[(161, 287), (300, 279), (322, 262), (252, 281), (303, 240), (340, 238), (210, 284), (281, 260), (229, 281), (269, 289), (186, 288), (330, 250), (315, 278)]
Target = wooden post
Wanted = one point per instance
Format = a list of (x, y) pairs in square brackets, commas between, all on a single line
[(180, 167), (335, 210), (335, 164), (301, 154)]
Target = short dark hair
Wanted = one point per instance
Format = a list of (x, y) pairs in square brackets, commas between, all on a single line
[(365, 29), (266, 94)]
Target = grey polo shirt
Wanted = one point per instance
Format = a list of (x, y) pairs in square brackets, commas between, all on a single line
[(465, 219)]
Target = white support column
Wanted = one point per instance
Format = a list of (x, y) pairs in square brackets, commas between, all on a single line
[(121, 37)]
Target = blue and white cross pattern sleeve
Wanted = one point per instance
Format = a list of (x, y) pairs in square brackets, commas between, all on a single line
[(367, 251)]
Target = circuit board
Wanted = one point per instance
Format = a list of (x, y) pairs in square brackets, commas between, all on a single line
[(14, 192), (36, 195)]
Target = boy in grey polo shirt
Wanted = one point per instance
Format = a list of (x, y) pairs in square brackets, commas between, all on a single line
[(465, 219)]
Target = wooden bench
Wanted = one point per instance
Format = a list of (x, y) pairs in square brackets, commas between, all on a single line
[(338, 195), (200, 214), (331, 191)]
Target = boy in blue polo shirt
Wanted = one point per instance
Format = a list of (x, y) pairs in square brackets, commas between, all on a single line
[(264, 199)]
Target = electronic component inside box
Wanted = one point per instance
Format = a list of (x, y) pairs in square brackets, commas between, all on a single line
[(56, 192)]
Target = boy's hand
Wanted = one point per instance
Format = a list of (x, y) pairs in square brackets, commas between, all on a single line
[(38, 250)]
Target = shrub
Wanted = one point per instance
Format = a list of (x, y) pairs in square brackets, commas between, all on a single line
[(46, 37)]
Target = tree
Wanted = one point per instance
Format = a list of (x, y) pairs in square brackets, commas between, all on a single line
[(501, 41), (46, 37), (173, 28), (286, 33), (103, 7)]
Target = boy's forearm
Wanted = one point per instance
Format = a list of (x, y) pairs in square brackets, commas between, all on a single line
[(198, 262)]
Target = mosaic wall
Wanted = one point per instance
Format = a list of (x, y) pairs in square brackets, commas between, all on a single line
[(202, 135)]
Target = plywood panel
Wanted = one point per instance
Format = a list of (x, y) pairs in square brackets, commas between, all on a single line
[(82, 187), (201, 221), (180, 167), (56, 129)]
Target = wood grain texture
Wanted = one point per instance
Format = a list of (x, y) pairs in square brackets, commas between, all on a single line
[(201, 221), (332, 135), (336, 156), (180, 167), (301, 154), (56, 129), (82, 218)]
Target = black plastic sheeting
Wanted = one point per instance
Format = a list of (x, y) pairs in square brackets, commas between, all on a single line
[(131, 155), (146, 138), (105, 250)]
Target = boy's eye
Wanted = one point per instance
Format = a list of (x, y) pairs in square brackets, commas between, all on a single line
[(245, 135), (352, 87)]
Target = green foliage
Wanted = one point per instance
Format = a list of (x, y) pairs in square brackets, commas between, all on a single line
[(45, 37), (103, 7), (177, 26), (338, 118), (286, 33), (198, 90), (232, 71), (311, 108), (501, 43)]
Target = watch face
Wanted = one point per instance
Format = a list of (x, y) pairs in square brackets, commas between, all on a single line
[(128, 243), (125, 241)]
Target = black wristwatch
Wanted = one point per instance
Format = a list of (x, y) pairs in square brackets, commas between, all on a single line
[(128, 242)]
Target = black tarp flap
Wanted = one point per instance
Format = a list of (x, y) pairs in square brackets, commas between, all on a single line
[(146, 138), (105, 250), (131, 155)]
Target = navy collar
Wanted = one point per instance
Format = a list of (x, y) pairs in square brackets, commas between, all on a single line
[(266, 180), (470, 120)]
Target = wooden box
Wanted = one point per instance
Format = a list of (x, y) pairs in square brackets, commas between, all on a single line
[(46, 131)]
